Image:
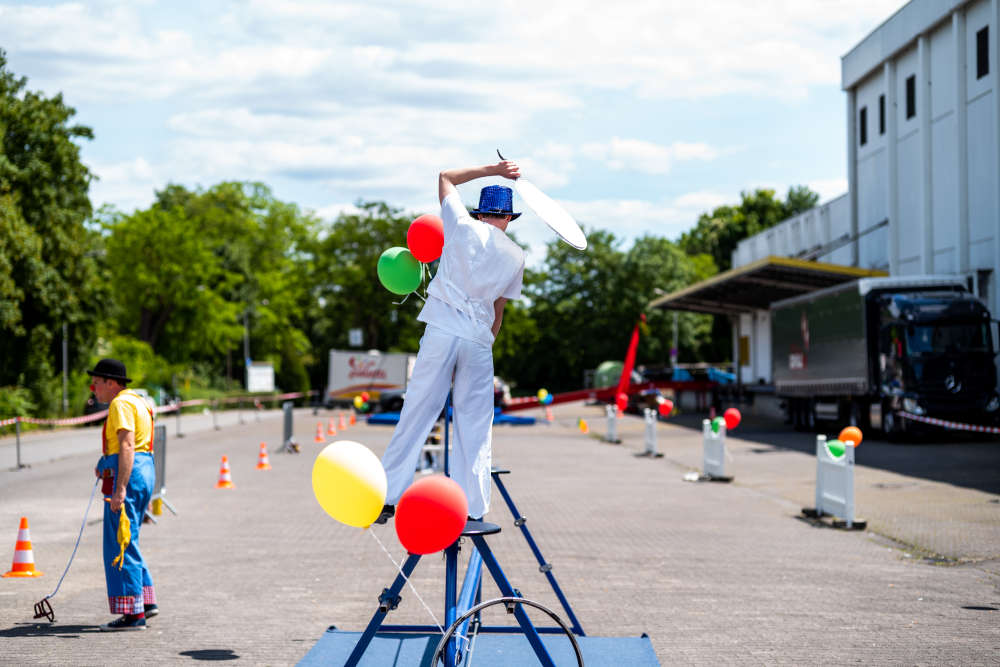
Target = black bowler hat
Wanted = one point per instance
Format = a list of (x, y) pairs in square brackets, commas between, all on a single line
[(111, 369)]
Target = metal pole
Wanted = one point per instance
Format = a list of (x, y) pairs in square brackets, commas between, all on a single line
[(179, 434), (447, 405), (17, 431), (65, 357), (246, 349), (673, 350), (215, 418)]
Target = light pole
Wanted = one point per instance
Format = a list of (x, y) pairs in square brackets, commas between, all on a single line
[(65, 370)]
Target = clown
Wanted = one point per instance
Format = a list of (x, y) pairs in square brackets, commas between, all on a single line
[(127, 471), (481, 269)]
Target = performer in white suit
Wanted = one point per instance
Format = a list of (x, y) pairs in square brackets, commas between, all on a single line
[(481, 269)]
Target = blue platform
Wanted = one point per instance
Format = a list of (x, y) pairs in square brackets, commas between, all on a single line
[(490, 650), (392, 418)]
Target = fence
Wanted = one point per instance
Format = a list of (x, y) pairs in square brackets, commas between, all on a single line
[(175, 407), (834, 486), (160, 466), (713, 458), (612, 432)]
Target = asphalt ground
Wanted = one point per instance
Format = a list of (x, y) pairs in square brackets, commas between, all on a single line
[(714, 573)]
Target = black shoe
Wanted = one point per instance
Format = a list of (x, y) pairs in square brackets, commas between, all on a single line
[(472, 518), (388, 511), (125, 623), (151, 610)]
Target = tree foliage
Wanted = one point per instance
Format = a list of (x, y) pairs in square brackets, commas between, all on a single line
[(717, 233), (199, 268), (581, 309), (48, 256)]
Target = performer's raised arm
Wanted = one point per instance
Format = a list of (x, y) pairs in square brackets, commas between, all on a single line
[(447, 180)]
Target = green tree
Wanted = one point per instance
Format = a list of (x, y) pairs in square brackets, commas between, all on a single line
[(208, 265), (345, 290), (582, 307), (48, 256), (717, 233)]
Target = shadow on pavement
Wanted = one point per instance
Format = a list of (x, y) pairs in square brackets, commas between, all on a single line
[(211, 654), (48, 630), (963, 459)]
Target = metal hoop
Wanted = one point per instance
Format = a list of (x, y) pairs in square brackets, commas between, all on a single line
[(505, 600)]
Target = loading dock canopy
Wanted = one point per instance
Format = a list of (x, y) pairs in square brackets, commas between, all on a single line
[(757, 285)]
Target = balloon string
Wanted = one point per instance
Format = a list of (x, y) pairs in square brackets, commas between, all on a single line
[(408, 582)]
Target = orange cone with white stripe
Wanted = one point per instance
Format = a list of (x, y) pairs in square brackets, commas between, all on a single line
[(24, 559), (330, 430), (354, 419), (319, 433), (225, 478), (262, 462), (340, 422), (548, 415)]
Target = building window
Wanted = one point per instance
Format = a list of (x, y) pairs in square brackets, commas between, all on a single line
[(911, 96), (863, 125), (983, 52), (881, 114)]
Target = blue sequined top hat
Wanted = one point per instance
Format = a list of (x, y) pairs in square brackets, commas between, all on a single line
[(496, 200)]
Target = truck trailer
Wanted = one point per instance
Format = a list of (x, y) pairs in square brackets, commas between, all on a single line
[(872, 351)]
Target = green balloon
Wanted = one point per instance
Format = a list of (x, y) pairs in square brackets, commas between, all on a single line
[(398, 270), (716, 423), (835, 447)]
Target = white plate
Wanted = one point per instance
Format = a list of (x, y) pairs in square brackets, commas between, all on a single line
[(554, 215)]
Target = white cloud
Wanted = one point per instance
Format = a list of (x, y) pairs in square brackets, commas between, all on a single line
[(353, 99), (828, 188), (644, 156)]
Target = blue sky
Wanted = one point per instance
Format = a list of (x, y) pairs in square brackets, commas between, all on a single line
[(637, 116)]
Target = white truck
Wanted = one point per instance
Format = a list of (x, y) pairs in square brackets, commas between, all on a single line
[(382, 375)]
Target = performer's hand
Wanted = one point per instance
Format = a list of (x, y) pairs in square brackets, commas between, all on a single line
[(508, 169), (117, 500)]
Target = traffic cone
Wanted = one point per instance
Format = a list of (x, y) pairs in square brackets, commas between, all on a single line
[(330, 430), (319, 434), (548, 415), (353, 419), (583, 426), (340, 423), (24, 560), (225, 479), (262, 462)]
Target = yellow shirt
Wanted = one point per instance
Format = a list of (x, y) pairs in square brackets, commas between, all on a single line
[(128, 411)]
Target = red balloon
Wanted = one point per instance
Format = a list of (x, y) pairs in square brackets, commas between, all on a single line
[(431, 514), (732, 417), (425, 238), (621, 402), (365, 396), (665, 407)]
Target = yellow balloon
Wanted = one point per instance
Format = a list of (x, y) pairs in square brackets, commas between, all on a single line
[(542, 393), (358, 402), (349, 483)]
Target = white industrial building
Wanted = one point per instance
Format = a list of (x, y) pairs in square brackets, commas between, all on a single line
[(923, 172)]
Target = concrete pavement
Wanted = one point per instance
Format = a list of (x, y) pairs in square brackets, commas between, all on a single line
[(715, 573)]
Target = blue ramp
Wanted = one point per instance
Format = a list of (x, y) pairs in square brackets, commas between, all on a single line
[(490, 650), (392, 418)]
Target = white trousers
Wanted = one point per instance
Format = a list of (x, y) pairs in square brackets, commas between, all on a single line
[(441, 355)]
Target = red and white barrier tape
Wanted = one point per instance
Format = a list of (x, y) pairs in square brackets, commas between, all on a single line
[(172, 407), (958, 426)]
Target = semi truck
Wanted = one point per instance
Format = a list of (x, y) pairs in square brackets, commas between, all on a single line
[(877, 352)]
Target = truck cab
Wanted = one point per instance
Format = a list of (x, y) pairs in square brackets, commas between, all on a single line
[(934, 356)]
